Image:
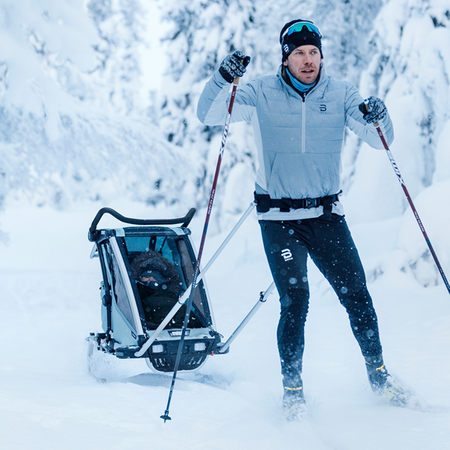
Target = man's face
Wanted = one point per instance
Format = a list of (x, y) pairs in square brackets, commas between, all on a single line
[(304, 63)]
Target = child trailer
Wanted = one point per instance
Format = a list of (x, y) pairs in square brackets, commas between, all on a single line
[(146, 271)]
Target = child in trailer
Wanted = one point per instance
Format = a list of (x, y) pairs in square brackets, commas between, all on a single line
[(159, 286)]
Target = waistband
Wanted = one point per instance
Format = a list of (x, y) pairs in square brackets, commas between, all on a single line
[(264, 202)]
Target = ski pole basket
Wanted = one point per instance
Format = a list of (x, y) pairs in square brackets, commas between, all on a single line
[(145, 269)]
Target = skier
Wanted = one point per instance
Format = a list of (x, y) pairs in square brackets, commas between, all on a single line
[(299, 117)]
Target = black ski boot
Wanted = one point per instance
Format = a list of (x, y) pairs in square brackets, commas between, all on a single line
[(294, 405), (377, 372), (383, 384)]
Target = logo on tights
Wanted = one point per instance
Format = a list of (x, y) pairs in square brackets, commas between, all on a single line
[(287, 255)]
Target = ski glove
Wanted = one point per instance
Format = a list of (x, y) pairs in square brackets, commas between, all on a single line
[(373, 109), (234, 66)]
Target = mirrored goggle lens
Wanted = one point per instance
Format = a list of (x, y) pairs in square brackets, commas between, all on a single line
[(152, 284), (153, 274), (297, 27)]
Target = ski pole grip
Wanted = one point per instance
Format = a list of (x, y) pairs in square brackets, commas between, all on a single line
[(245, 61), (363, 109), (236, 80)]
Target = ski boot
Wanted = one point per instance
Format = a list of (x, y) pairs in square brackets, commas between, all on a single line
[(294, 405), (383, 384)]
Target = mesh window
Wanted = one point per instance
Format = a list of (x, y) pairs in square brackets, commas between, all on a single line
[(176, 250), (164, 245), (199, 303)]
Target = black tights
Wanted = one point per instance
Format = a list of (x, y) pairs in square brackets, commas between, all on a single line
[(331, 247)]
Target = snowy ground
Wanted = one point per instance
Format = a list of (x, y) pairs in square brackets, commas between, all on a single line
[(50, 302)]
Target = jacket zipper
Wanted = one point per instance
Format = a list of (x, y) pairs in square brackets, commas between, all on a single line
[(304, 125)]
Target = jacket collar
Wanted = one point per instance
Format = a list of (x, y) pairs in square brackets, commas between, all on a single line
[(288, 85)]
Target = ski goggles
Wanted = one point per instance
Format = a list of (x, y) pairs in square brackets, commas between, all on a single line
[(156, 281), (298, 26), (153, 284)]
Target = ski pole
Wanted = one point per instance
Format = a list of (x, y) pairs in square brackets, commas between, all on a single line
[(411, 203), (166, 416)]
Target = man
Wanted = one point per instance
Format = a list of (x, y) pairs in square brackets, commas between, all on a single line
[(299, 117)]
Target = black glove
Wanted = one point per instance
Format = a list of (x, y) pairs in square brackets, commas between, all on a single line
[(233, 66), (373, 109)]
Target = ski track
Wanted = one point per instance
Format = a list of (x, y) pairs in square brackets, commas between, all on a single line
[(49, 290)]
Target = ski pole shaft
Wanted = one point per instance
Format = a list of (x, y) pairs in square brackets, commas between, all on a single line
[(411, 204), (228, 238), (166, 416)]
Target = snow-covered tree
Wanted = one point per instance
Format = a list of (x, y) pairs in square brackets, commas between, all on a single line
[(202, 33), (410, 69), (346, 25), (120, 25), (72, 105)]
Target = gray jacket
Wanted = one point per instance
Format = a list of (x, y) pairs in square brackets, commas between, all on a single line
[(299, 142)]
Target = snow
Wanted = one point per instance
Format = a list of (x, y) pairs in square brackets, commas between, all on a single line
[(81, 128), (50, 303)]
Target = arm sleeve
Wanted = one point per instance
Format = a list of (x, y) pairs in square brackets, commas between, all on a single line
[(212, 108), (367, 132)]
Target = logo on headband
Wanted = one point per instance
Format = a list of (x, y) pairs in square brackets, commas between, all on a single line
[(286, 48)]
